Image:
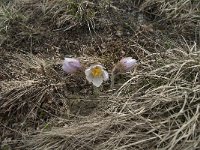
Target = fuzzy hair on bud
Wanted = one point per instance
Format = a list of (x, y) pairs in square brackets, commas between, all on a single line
[(71, 65)]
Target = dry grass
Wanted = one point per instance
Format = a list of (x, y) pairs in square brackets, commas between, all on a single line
[(158, 108), (181, 17), (154, 107)]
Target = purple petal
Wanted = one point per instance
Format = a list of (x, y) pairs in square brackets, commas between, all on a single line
[(105, 75), (71, 65), (128, 63)]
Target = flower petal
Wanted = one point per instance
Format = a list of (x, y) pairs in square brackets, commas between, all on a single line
[(105, 75), (71, 65), (88, 71), (128, 63), (89, 78), (124, 60), (88, 74), (75, 64), (99, 66), (70, 59), (97, 81), (67, 68)]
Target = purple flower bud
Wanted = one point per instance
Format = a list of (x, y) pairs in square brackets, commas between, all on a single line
[(71, 65), (128, 63)]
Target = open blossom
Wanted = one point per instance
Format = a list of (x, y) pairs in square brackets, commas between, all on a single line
[(71, 65), (128, 63), (96, 75)]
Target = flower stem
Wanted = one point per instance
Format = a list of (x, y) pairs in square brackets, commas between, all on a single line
[(96, 91), (113, 77)]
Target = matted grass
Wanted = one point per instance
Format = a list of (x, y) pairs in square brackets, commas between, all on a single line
[(156, 106)]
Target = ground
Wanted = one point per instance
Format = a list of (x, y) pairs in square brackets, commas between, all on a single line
[(155, 106)]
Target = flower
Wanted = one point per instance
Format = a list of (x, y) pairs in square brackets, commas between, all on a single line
[(96, 74), (124, 65), (71, 65), (127, 64)]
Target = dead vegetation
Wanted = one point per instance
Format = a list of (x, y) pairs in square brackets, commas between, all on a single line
[(157, 108), (154, 107)]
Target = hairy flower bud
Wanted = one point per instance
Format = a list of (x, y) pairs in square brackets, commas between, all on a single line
[(124, 65), (71, 65), (127, 63)]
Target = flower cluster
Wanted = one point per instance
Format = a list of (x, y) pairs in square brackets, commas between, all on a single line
[(96, 73)]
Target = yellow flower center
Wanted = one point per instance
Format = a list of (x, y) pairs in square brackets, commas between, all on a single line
[(96, 71)]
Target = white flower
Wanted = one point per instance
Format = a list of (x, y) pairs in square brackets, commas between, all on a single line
[(71, 65), (96, 74), (127, 63)]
